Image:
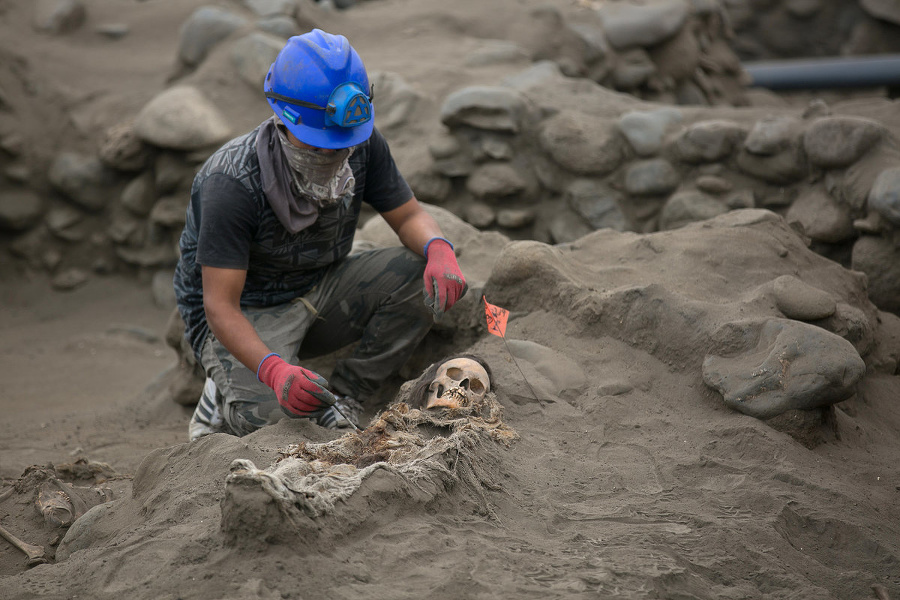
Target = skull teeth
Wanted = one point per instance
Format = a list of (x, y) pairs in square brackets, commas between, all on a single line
[(457, 394)]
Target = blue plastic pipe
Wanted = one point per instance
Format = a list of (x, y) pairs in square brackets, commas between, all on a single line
[(818, 73)]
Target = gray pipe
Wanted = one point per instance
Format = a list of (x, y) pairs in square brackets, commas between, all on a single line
[(819, 73)]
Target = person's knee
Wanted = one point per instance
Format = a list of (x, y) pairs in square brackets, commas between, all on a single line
[(405, 264)]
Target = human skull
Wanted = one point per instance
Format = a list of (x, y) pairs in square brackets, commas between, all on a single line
[(458, 383)]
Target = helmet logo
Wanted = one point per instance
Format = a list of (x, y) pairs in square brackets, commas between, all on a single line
[(291, 115)]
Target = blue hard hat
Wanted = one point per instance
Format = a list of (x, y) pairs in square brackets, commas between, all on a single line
[(319, 88)]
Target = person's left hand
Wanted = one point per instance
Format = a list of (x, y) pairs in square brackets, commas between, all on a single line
[(444, 282)]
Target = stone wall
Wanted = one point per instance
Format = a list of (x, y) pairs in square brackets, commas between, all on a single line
[(546, 157), (771, 29), (670, 51), (549, 154), (121, 207)]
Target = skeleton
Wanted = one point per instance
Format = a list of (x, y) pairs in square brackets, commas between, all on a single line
[(408, 450)]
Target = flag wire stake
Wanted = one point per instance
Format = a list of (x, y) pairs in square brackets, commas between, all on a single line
[(496, 324)]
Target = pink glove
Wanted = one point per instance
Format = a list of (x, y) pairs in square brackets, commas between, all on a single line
[(444, 283), (300, 391)]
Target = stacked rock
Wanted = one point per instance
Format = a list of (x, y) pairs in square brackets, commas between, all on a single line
[(806, 28), (546, 157), (124, 206), (669, 51)]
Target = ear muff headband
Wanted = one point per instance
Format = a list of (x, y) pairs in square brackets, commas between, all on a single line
[(296, 102)]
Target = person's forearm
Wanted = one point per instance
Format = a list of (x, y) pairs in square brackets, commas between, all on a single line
[(237, 334), (301, 392), (416, 232)]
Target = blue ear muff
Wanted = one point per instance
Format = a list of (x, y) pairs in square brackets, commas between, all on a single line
[(348, 106)]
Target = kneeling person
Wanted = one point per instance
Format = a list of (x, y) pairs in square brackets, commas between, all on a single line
[(266, 275)]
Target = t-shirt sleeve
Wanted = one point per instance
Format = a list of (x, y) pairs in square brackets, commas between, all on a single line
[(227, 222), (385, 187)]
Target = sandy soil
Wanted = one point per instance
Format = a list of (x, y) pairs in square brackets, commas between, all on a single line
[(631, 480), (70, 362)]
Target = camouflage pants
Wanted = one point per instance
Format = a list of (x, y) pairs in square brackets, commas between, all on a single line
[(374, 297)]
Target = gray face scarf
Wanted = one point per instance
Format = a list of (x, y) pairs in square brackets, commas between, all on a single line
[(299, 181)]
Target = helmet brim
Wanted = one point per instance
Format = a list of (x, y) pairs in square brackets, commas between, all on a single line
[(331, 138)]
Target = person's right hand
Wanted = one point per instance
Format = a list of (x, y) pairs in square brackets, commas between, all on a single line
[(444, 282), (300, 392)]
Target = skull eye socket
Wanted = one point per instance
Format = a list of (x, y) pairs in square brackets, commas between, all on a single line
[(455, 374), (476, 386)]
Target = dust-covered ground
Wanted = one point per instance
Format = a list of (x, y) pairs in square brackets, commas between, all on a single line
[(701, 411)]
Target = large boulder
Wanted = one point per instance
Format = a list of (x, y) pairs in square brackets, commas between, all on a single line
[(786, 167), (884, 197), (886, 10), (879, 259), (779, 365), (773, 151), (645, 129), (801, 301), (83, 179), (484, 107), (596, 203), (821, 217), (205, 28), (253, 54), (271, 8), (689, 206), (708, 141), (583, 145), (397, 100), (19, 209), (499, 180), (181, 118), (123, 150), (836, 142), (646, 24), (651, 177), (772, 135)]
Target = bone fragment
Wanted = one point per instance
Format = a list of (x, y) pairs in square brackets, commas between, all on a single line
[(35, 554), (881, 592)]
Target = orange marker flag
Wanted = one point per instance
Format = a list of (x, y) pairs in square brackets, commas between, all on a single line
[(496, 318), (496, 323)]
